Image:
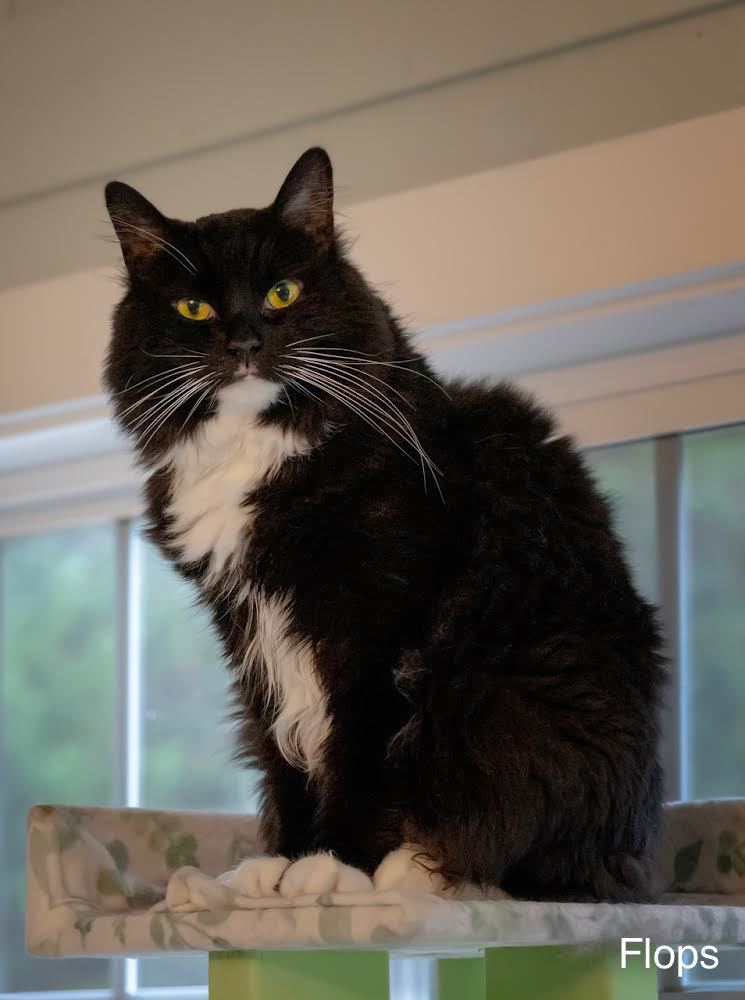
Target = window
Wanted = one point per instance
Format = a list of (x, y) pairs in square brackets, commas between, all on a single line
[(714, 463), (710, 484), (112, 693), (714, 619), (627, 475), (58, 714), (708, 476), (112, 689)]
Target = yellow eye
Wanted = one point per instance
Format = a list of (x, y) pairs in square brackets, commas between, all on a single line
[(194, 309), (283, 294)]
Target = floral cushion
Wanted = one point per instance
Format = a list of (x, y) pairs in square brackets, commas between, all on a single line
[(97, 881), (702, 847)]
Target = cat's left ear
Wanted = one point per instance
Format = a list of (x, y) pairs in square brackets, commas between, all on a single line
[(143, 231), (306, 199)]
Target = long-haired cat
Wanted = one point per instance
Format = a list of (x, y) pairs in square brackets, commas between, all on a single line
[(431, 628)]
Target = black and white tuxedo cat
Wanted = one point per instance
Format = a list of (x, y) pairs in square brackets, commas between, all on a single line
[(432, 632)]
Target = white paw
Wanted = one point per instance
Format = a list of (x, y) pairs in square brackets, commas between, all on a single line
[(408, 869), (319, 873), (256, 878)]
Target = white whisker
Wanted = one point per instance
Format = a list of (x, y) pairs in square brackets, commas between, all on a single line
[(300, 388), (305, 340), (360, 380), (185, 395), (342, 366), (163, 402), (398, 420), (202, 396), (151, 378), (315, 380), (369, 409), (336, 347), (165, 378), (401, 365), (189, 354)]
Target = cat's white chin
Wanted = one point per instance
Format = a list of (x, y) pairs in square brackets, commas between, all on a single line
[(249, 393)]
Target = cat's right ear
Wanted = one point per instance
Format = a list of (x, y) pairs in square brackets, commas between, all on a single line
[(141, 229)]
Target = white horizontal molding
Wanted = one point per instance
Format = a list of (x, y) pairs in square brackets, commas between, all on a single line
[(61, 466), (686, 406), (39, 439), (648, 370), (74, 512), (55, 481), (59, 495), (605, 324)]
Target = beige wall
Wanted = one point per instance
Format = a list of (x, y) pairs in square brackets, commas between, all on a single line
[(204, 108)]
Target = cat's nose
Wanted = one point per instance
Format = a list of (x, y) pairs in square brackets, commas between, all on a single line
[(244, 347)]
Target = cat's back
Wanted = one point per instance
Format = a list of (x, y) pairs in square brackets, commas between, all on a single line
[(513, 443), (539, 519), (485, 411)]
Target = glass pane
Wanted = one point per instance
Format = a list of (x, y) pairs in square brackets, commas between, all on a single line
[(625, 473), (187, 741), (175, 970), (715, 598), (57, 715), (714, 499)]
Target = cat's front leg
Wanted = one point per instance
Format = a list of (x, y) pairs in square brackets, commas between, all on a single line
[(295, 864), (286, 803), (287, 808), (292, 865), (357, 818)]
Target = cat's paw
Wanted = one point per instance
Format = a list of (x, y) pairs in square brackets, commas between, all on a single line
[(257, 877), (409, 869), (319, 873)]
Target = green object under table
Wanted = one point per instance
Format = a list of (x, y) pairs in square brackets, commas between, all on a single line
[(544, 973)]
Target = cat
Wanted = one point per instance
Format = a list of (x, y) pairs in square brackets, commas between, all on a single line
[(432, 632)]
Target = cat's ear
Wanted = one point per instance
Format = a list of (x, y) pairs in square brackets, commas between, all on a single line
[(141, 229), (306, 199)]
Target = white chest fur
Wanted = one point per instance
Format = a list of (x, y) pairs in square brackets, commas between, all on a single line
[(301, 724), (211, 477), (213, 473)]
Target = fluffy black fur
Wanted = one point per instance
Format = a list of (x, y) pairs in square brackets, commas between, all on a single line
[(493, 677)]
